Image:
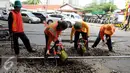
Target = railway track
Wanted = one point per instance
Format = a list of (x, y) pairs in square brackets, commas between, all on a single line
[(71, 57)]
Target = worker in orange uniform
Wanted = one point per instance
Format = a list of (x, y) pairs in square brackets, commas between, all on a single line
[(108, 31), (77, 29), (52, 33), (16, 29)]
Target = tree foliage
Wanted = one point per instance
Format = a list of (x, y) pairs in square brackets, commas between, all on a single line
[(34, 2), (100, 7)]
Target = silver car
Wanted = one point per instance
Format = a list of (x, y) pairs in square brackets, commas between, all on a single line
[(30, 18)]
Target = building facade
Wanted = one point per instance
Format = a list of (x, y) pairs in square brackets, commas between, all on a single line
[(52, 2), (103, 1), (61, 2)]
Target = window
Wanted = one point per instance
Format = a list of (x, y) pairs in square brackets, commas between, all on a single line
[(53, 15), (78, 17), (59, 16), (24, 15), (67, 14), (37, 14), (30, 14), (72, 16)]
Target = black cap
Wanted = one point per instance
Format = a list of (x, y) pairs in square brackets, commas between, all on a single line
[(63, 24)]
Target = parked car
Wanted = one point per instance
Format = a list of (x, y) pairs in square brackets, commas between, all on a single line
[(72, 17), (50, 18), (40, 15), (4, 15), (0, 16), (29, 17), (68, 20)]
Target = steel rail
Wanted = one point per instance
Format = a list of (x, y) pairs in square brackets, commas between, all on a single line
[(72, 57)]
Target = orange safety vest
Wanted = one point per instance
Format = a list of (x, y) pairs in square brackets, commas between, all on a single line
[(17, 25), (83, 29), (52, 33), (102, 31), (52, 30)]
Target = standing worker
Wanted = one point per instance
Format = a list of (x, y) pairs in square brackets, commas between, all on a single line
[(108, 31), (127, 19), (52, 33), (15, 24), (77, 29)]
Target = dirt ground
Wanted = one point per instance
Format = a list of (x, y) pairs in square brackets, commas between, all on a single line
[(5, 49), (71, 66)]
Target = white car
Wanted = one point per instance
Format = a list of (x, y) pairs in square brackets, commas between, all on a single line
[(69, 21), (71, 18), (5, 14), (50, 18)]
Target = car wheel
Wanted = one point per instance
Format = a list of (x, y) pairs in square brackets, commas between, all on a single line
[(49, 22), (29, 21), (69, 24)]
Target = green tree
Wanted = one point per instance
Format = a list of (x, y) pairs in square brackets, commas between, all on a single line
[(34, 2), (108, 7), (101, 7)]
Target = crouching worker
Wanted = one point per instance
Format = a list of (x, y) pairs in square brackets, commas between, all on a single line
[(52, 33), (108, 31), (77, 29), (16, 29)]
